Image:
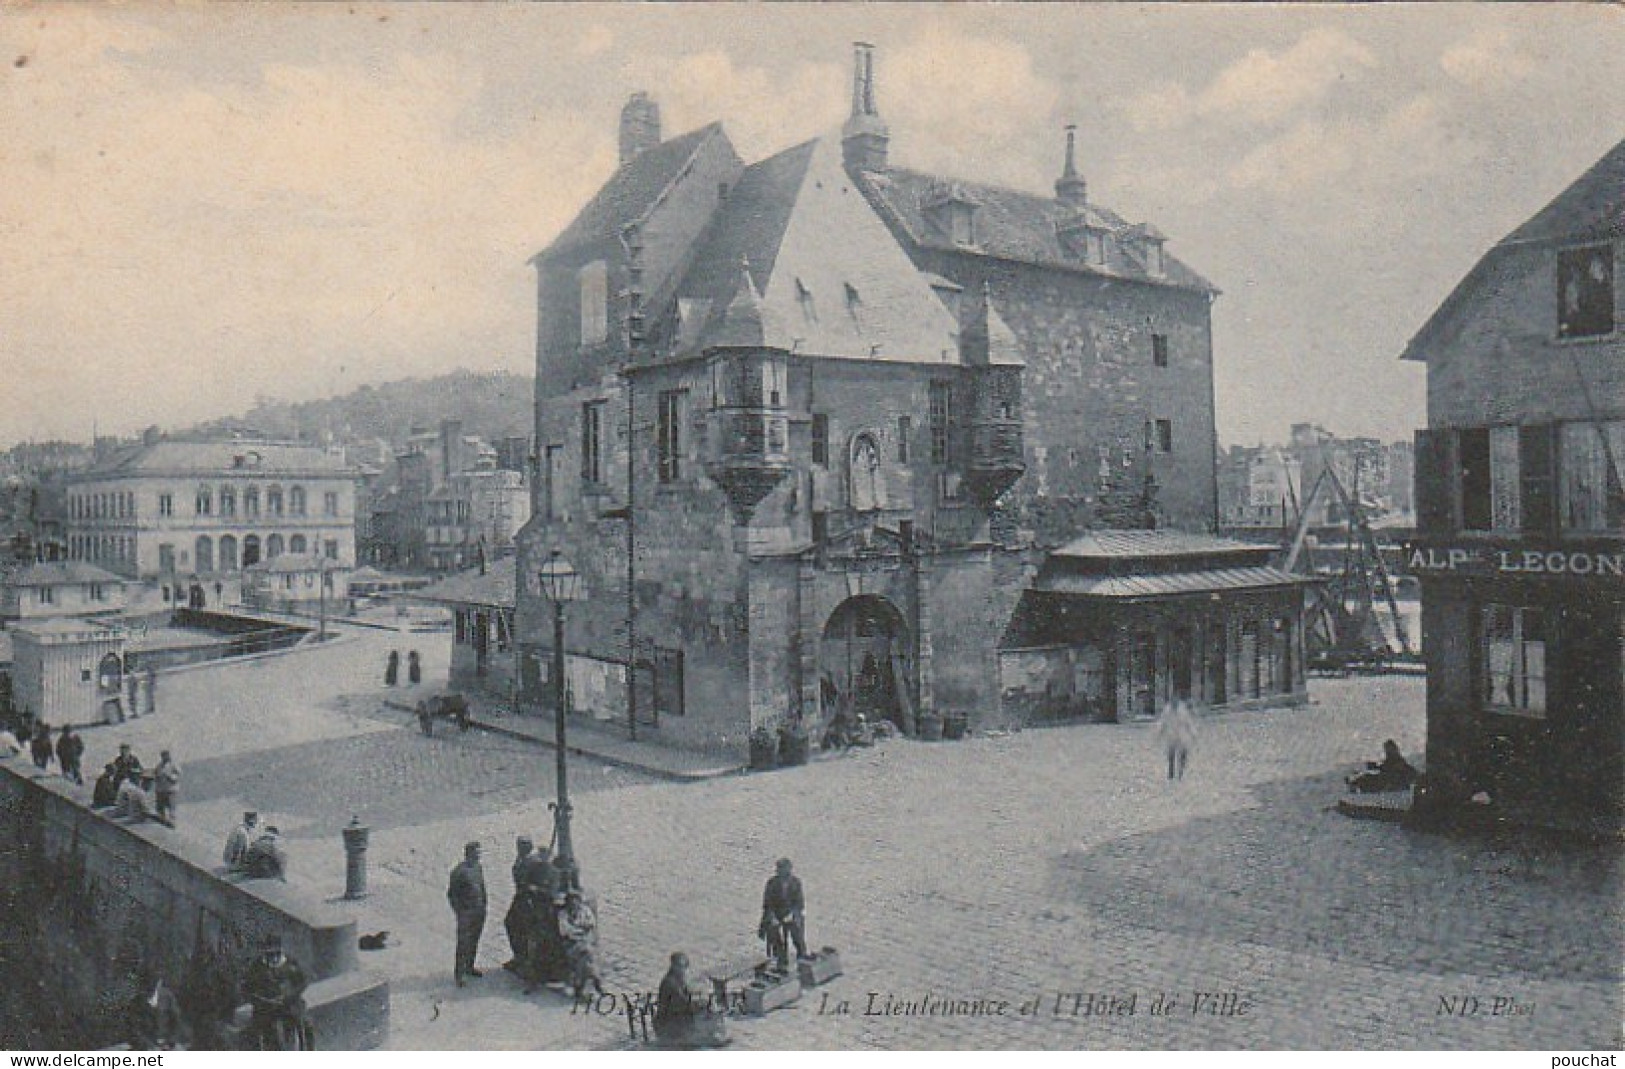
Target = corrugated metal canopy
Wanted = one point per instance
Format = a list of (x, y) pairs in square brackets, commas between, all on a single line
[(1167, 584)]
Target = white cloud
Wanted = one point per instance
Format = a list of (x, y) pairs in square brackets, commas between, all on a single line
[(1489, 59), (1388, 150), (763, 110), (1260, 88), (597, 40)]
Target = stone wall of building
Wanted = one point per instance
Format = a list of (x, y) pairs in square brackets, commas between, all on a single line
[(1504, 362), (1091, 385), (97, 907)]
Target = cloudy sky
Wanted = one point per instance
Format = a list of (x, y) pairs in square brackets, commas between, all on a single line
[(200, 205)]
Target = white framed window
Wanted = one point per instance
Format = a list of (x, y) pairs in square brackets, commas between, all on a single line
[(1513, 657)]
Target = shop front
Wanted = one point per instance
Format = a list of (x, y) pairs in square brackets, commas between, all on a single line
[(1526, 677), (1118, 624)]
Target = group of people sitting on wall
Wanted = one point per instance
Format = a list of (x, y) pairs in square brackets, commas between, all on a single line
[(255, 851)]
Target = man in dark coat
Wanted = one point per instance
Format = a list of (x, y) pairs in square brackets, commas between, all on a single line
[(105, 793), (128, 764), (265, 858), (275, 987), (517, 920), (392, 668), (466, 893), (783, 914), (40, 747), (70, 749), (675, 1005)]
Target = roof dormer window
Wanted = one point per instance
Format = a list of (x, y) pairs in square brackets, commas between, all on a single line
[(1153, 258), (953, 211)]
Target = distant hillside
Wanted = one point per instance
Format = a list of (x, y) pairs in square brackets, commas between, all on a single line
[(492, 404)]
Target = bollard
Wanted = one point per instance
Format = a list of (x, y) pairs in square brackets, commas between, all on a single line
[(355, 859)]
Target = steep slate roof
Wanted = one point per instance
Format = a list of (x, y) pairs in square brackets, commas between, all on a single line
[(58, 573), (633, 189), (831, 279), (1013, 225), (493, 589), (216, 458), (1593, 206)]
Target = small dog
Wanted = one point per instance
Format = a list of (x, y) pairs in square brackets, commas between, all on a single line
[(375, 941)]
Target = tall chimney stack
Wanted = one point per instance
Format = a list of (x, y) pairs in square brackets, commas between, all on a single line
[(1070, 188), (640, 126), (864, 138)]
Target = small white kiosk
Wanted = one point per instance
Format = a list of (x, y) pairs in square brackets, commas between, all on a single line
[(67, 671)]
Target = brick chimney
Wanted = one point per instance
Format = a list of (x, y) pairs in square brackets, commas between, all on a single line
[(864, 137), (1070, 188), (640, 126), (451, 448)]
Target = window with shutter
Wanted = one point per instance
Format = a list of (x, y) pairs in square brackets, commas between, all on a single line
[(1473, 457), (1537, 455), (1433, 483)]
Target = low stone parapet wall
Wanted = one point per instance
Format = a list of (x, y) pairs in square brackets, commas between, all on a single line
[(102, 907)]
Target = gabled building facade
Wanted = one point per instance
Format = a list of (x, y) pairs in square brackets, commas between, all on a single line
[(1521, 518), (790, 437)]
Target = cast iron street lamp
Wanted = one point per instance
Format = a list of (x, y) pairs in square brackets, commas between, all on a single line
[(561, 583)]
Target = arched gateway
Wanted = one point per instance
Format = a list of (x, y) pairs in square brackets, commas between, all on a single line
[(865, 663)]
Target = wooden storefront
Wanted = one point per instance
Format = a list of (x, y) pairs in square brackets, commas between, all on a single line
[(1119, 623)]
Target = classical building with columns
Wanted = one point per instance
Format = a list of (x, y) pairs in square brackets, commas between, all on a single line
[(810, 426), (174, 511)]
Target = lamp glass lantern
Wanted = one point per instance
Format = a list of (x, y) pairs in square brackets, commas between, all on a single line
[(559, 580)]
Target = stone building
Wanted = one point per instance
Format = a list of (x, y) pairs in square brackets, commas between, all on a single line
[(1521, 517), (170, 511), (839, 409), (452, 497), (60, 588)]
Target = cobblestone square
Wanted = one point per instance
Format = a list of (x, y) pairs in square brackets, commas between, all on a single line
[(1036, 869)]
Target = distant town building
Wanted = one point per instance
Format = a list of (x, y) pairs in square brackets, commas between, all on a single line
[(172, 511), (452, 498), (1521, 515), (845, 408), (1269, 487), (1260, 488), (297, 583), (60, 588)]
